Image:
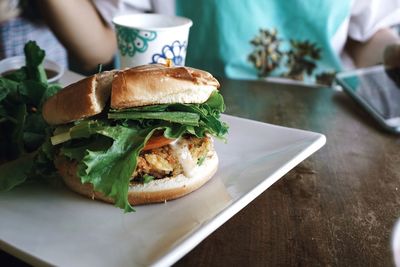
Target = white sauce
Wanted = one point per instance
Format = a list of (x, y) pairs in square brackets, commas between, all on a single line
[(182, 152)]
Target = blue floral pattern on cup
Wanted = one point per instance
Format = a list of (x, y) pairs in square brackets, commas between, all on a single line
[(131, 41), (175, 52)]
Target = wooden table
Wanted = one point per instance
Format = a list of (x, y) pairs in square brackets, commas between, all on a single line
[(337, 208)]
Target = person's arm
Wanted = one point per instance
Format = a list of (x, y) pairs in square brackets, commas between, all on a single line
[(391, 55), (371, 52), (80, 28)]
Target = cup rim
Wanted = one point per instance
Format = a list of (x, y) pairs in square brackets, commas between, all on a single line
[(182, 22)]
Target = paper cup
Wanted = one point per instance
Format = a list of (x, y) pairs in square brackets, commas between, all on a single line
[(151, 38)]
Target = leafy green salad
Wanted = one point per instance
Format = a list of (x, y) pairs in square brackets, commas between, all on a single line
[(22, 94), (22, 128)]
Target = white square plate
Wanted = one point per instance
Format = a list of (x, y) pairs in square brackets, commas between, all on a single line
[(45, 225)]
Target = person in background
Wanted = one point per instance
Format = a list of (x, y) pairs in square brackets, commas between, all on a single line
[(85, 28), (333, 35), (307, 38), (346, 34), (64, 29)]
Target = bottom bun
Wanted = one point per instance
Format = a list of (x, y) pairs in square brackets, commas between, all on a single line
[(159, 190)]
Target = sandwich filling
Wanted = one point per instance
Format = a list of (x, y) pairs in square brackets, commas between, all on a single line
[(180, 157), (111, 148)]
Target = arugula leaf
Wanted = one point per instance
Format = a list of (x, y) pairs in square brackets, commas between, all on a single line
[(17, 75), (16, 130), (156, 108), (173, 116), (22, 128), (43, 166), (14, 173), (22, 94), (34, 62), (34, 133), (209, 113), (51, 90), (32, 92), (7, 87)]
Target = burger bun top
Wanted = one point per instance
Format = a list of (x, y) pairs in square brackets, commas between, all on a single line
[(140, 86)]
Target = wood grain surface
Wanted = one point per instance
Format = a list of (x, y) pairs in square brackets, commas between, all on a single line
[(337, 208)]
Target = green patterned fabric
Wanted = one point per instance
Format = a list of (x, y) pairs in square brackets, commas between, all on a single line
[(219, 40)]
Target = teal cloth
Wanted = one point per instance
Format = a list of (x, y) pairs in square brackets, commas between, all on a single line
[(219, 39)]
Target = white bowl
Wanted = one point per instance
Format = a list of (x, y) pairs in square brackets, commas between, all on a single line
[(14, 63)]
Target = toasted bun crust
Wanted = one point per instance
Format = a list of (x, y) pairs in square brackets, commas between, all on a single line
[(82, 99), (158, 84), (159, 190), (139, 86)]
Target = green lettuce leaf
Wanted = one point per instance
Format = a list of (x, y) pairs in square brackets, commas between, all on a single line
[(15, 172), (110, 170)]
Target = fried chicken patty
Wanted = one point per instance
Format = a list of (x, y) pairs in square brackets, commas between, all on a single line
[(165, 162)]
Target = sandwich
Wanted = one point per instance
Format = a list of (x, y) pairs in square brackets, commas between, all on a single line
[(137, 136)]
